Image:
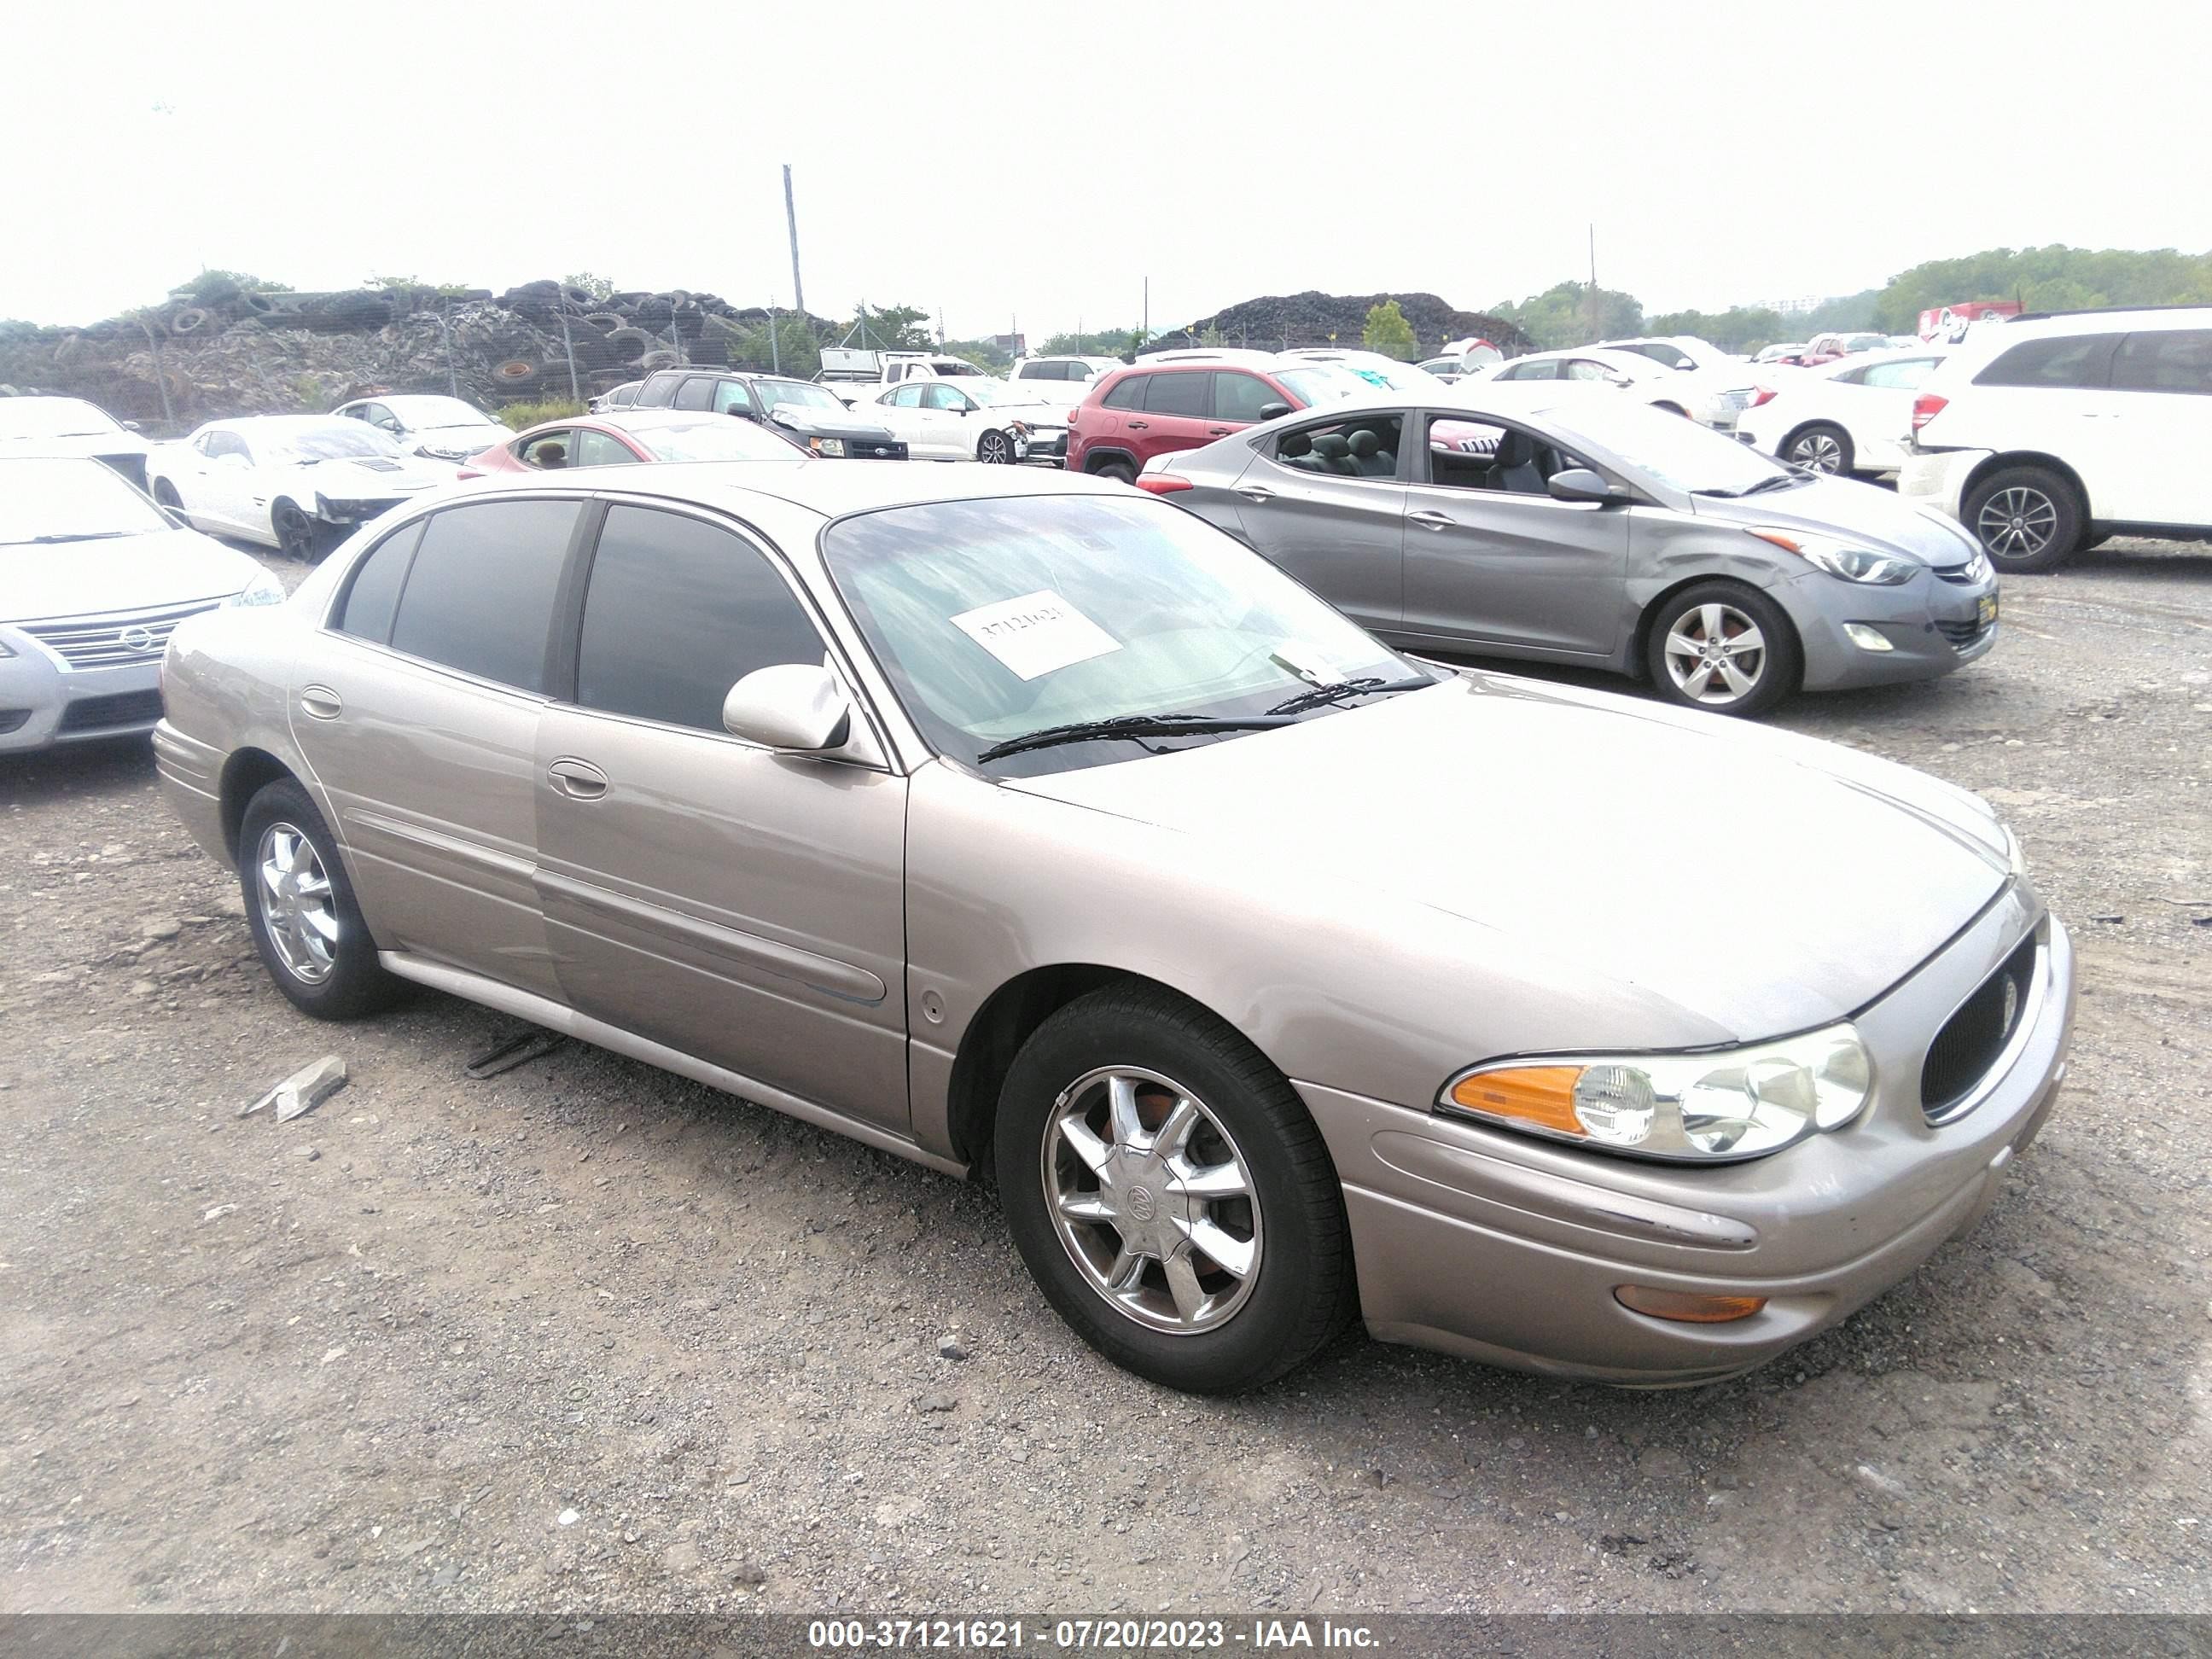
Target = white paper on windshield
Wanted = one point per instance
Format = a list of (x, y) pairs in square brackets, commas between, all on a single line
[(1036, 634)]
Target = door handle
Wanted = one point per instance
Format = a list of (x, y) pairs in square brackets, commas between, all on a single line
[(1429, 520), (321, 703), (578, 780), (1258, 495), (1138, 426), (1217, 432)]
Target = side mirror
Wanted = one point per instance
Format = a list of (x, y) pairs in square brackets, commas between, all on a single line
[(1270, 411), (131, 426), (1579, 483), (793, 705)]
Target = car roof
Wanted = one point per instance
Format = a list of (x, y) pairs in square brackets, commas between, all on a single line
[(830, 489), (2142, 318)]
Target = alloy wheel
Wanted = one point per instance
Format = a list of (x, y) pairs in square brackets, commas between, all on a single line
[(1716, 654), (295, 532), (994, 450), (1152, 1199), (299, 913), (1818, 452), (2017, 523)]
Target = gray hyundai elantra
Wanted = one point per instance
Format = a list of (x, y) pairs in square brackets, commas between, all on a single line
[(1565, 524)]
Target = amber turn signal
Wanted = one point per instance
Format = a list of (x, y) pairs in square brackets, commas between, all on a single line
[(1687, 1306), (1542, 1095)]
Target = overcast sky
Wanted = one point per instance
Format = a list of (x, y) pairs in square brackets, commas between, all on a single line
[(1039, 161)]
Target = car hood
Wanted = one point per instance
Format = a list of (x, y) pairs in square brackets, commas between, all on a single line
[(1858, 512), (372, 476), (826, 423), (1035, 413), (130, 572), (1763, 883)]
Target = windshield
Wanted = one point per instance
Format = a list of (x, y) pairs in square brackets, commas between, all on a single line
[(337, 440), (720, 439), (991, 393), (1682, 454), (998, 618), (53, 417), (422, 412), (772, 392), (1322, 383), (71, 501)]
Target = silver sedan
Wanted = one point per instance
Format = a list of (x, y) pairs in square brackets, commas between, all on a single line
[(1565, 525), (1015, 822)]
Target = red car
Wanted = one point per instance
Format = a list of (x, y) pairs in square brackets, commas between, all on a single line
[(1182, 399), (628, 435)]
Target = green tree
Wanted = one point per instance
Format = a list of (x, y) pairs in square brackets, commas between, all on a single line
[(215, 286), (2056, 277), (1387, 330), (1108, 343), (1570, 314), (598, 286), (1210, 335), (983, 354), (890, 328), (1740, 328)]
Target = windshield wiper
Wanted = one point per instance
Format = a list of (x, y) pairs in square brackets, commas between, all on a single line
[(1781, 481), (73, 536), (1131, 725), (1371, 685)]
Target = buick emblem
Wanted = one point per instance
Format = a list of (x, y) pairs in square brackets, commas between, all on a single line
[(1140, 1203), (138, 637)]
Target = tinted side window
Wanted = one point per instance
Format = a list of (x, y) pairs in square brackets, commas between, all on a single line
[(1242, 396), (480, 596), (2082, 361), (697, 393), (2177, 359), (656, 393), (374, 593), (1186, 394), (1129, 393), (598, 449), (677, 613)]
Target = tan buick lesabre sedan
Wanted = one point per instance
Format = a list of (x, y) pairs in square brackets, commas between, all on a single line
[(1021, 823)]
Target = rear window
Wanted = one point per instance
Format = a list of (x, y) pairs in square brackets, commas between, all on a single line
[(2171, 360), (1186, 393), (2081, 361), (480, 595)]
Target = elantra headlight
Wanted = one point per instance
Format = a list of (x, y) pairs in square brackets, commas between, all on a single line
[(832, 447), (1841, 559), (264, 589), (1724, 1105)]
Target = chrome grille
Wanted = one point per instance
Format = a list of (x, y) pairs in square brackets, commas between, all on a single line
[(101, 641)]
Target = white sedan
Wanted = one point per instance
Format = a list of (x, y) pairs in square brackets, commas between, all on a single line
[(1841, 417), (442, 428), (973, 419), (1711, 396), (296, 483)]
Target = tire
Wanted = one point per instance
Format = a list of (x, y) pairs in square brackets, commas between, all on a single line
[(1820, 447), (1119, 471), (2026, 518), (165, 495), (1690, 616), (1672, 409), (994, 448), (190, 320), (328, 967), (1209, 1328), (298, 536)]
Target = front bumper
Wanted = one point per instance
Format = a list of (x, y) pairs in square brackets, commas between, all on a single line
[(1938, 478), (1932, 626), (1498, 1248), (1047, 444), (43, 703)]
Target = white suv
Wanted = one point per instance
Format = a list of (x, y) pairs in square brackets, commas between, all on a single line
[(2049, 434), (1062, 381)]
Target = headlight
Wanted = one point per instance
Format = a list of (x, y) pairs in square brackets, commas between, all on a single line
[(1839, 558), (1733, 1104), (832, 447), (1019, 428), (264, 589)]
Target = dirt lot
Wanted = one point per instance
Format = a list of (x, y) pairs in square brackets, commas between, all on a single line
[(585, 1336)]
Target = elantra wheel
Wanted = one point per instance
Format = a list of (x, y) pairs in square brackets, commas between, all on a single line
[(1722, 647), (1170, 1193), (1821, 449), (2026, 518), (995, 448), (300, 909)]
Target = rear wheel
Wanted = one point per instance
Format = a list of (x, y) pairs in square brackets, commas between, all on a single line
[(2027, 518), (1723, 646), (1119, 471), (1820, 448), (300, 909)]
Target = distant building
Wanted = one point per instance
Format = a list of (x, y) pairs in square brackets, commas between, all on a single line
[(1014, 344)]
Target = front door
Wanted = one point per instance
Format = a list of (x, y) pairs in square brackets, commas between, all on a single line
[(2161, 407), (419, 722), (741, 905), (1326, 502), (1491, 557)]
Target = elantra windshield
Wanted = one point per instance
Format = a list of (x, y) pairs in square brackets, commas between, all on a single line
[(1679, 454), (1000, 620)]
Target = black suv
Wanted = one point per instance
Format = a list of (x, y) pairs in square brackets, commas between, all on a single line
[(811, 414)]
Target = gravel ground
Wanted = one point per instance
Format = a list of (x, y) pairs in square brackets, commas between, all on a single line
[(587, 1337)]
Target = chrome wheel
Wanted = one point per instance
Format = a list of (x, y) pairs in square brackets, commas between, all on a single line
[(1817, 452), (298, 911), (1151, 1200), (2017, 523), (993, 450), (1716, 654)]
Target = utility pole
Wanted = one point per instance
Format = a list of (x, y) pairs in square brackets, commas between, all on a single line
[(1593, 281), (791, 218), (1145, 323)]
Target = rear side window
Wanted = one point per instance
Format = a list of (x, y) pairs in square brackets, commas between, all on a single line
[(2176, 360), (2081, 361), (677, 613), (374, 593), (1127, 393), (697, 393), (480, 595), (656, 393), (1186, 393), (598, 449), (1897, 377)]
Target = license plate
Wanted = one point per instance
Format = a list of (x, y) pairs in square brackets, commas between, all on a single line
[(1986, 610)]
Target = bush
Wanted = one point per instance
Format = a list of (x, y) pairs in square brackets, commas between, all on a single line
[(519, 415), (1387, 331)]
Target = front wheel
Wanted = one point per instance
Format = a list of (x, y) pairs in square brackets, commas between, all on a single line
[(165, 495), (2027, 518), (1821, 448), (995, 448), (1723, 646), (1170, 1193), (300, 909), (298, 536)]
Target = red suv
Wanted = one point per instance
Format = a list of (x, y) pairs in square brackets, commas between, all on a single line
[(1183, 402)]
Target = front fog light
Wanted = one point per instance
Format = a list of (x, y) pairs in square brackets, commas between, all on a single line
[(1867, 639), (1687, 1307)]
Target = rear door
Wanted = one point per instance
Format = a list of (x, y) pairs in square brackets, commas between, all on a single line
[(2162, 404), (419, 722), (1493, 562), (1178, 414), (2055, 395), (734, 904), (1327, 502)]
